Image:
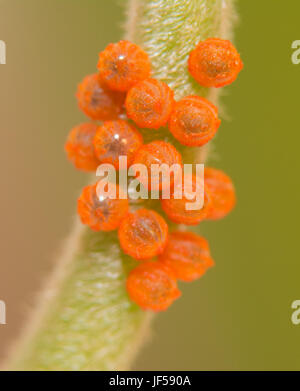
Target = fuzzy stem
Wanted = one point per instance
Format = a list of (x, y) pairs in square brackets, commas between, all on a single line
[(84, 320)]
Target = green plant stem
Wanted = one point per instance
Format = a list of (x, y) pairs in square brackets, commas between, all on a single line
[(84, 319)]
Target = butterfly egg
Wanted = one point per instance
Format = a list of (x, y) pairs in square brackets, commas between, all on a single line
[(143, 234), (158, 153), (222, 193), (152, 286), (122, 65), (189, 202), (187, 255), (97, 101), (194, 121), (80, 149), (149, 103), (102, 211), (215, 63), (114, 139)]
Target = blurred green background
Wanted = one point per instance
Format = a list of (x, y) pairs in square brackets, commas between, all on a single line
[(238, 316)]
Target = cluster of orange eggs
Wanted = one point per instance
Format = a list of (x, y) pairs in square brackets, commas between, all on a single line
[(122, 95)]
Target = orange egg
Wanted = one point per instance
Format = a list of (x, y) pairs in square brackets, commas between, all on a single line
[(122, 65), (177, 208), (152, 286), (222, 193), (97, 101), (143, 234), (80, 149), (157, 153), (149, 103), (194, 121), (187, 255), (114, 139), (215, 62), (100, 212)]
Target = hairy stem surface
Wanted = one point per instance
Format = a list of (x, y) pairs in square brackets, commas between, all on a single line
[(84, 319)]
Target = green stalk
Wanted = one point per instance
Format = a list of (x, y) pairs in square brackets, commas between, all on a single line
[(84, 319)]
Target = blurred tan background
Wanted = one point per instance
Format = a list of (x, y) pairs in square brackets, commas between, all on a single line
[(238, 316)]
